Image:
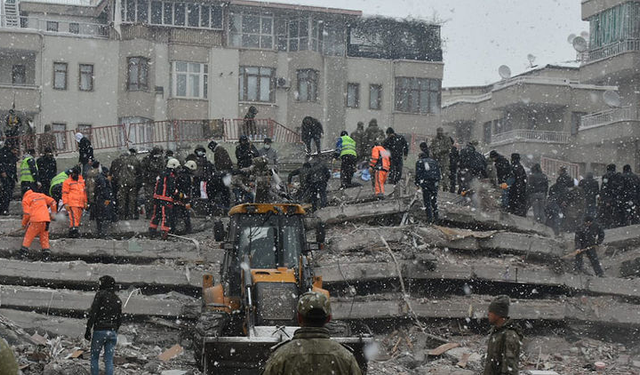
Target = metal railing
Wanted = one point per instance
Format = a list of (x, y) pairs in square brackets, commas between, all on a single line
[(550, 167), (614, 49), (608, 117), (56, 26), (524, 135)]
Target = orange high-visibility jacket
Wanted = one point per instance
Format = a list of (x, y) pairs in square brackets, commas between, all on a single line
[(35, 207), (73, 193), (379, 152)]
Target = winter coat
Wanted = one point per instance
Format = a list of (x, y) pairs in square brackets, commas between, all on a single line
[(380, 159), (397, 146), (311, 351), (126, 170), (205, 170), (454, 158), (503, 168), (103, 198), (90, 183), (222, 160), (372, 134), (106, 312), (47, 168), (165, 189), (35, 207), (47, 140), (612, 185), (440, 147), (271, 155), (8, 363), (518, 190), (73, 192), (503, 350), (631, 187), (318, 176), (245, 152), (537, 183), (427, 172), (184, 185), (591, 190), (359, 137), (152, 166), (8, 163), (473, 161), (588, 235), (85, 150)]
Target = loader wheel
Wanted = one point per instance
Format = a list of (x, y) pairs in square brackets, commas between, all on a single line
[(338, 328), (210, 323)]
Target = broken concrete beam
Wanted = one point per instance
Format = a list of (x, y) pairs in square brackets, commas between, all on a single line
[(623, 237), (366, 238), (75, 303), (587, 309), (362, 211), (477, 271), (52, 325), (134, 249), (85, 275)]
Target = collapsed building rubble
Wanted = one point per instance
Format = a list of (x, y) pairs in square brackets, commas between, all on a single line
[(417, 288)]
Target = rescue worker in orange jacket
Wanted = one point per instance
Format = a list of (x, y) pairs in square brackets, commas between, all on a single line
[(379, 166), (163, 200), (35, 219), (74, 199)]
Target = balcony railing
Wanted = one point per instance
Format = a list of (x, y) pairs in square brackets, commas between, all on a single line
[(524, 135), (608, 117), (95, 30), (614, 49)]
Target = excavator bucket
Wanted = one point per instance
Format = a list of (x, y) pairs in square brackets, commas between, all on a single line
[(248, 355)]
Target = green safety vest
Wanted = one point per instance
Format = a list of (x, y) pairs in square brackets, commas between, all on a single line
[(58, 179), (25, 172), (348, 146)]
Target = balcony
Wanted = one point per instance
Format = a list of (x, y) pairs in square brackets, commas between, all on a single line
[(67, 28), (534, 136), (614, 49), (25, 97), (608, 117)]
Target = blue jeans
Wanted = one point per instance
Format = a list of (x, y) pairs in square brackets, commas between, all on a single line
[(108, 339)]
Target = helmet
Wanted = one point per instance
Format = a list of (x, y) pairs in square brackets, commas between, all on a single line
[(173, 163), (191, 165)]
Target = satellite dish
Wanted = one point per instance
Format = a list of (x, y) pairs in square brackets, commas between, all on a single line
[(580, 44), (611, 98), (504, 71), (571, 37), (531, 59), (585, 34)]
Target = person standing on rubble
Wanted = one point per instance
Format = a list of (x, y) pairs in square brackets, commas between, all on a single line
[(611, 198), (472, 165), (591, 190), (184, 186), (245, 152), (503, 173), (8, 363), (74, 199), (588, 237), (537, 188), (311, 349), (440, 149), (360, 138), (104, 319), (454, 156), (302, 194), (518, 189), (163, 200), (47, 140), (85, 152), (47, 169), (317, 181), (103, 207), (152, 166), (223, 167), (630, 196), (8, 176), (55, 190), (29, 177), (346, 151), (379, 166), (249, 127), (427, 178), (373, 134), (398, 147), (126, 174), (269, 153), (505, 340), (557, 205), (35, 219)]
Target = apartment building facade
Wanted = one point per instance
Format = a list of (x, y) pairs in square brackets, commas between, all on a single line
[(129, 61)]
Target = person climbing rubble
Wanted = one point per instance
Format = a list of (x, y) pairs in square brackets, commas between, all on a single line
[(35, 219), (587, 239)]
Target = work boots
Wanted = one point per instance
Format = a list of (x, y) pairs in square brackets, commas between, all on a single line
[(23, 253), (74, 233), (46, 255)]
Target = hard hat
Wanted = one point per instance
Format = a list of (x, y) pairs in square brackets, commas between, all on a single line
[(79, 137), (191, 165), (173, 163)]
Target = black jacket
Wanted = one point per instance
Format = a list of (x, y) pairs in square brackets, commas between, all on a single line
[(85, 150), (589, 235), (631, 187), (184, 184), (47, 168), (397, 146), (503, 168), (612, 185), (454, 157), (427, 172), (245, 152), (106, 312), (165, 189), (473, 161), (537, 183), (591, 189), (8, 163), (103, 193), (318, 176)]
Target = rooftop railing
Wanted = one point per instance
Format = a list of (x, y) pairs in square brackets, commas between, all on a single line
[(525, 135), (614, 49)]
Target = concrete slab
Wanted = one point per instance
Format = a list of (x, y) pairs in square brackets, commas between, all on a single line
[(360, 211), (40, 323)]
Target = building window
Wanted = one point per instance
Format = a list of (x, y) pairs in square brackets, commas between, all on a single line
[(18, 75), (85, 129), (353, 95), (417, 95), (190, 80), (86, 77), (317, 31), (307, 85), (170, 13), (59, 76), (251, 31), (52, 26), (138, 73), (576, 119), (375, 97), (60, 131), (299, 35), (257, 84), (74, 28)]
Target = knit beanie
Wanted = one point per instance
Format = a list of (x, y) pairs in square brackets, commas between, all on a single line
[(500, 306)]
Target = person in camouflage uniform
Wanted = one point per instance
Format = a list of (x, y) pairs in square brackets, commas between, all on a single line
[(371, 135), (440, 149), (126, 173), (311, 350), (505, 340), (152, 166), (8, 363), (360, 138)]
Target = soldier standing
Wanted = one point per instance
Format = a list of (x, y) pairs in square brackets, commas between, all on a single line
[(427, 178), (311, 349), (152, 166), (398, 147), (440, 149), (505, 340), (126, 174), (373, 134), (359, 137)]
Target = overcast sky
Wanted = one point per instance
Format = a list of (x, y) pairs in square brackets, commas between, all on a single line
[(481, 35)]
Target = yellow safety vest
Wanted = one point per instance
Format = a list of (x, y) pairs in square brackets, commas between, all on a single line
[(348, 146), (25, 172)]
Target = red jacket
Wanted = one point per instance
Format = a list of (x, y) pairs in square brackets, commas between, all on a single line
[(73, 193), (35, 207)]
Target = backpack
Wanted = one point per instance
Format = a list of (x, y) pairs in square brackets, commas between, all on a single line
[(427, 170)]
